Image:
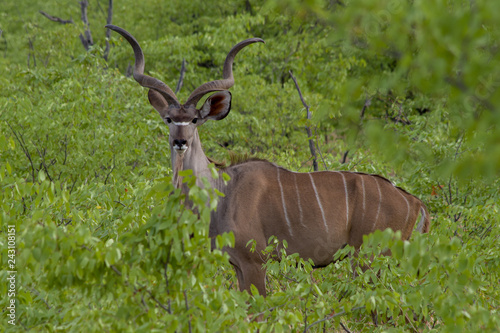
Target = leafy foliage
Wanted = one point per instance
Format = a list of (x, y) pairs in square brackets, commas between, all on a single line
[(406, 89)]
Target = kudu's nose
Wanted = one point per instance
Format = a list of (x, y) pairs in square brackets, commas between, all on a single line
[(180, 145)]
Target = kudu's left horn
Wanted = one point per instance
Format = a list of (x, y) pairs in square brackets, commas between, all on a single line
[(145, 80)]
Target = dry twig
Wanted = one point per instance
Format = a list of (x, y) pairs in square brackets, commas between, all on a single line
[(308, 129), (108, 31), (87, 40), (181, 77), (56, 19)]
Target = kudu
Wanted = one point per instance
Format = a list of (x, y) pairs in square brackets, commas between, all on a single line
[(317, 213)]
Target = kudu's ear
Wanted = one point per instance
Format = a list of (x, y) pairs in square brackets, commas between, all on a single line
[(217, 106), (158, 102)]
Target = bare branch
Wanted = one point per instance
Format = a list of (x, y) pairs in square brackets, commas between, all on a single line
[(20, 139), (169, 310), (345, 329), (344, 157), (33, 290), (289, 278), (65, 148), (113, 267), (87, 40), (110, 171), (374, 318), (308, 129), (31, 49), (487, 231), (99, 7), (257, 315), (319, 149), (56, 19), (300, 95), (144, 303), (305, 308), (157, 301), (331, 317), (181, 77), (4, 42), (73, 185), (368, 102), (42, 157), (120, 203), (31, 53), (108, 31), (187, 309)]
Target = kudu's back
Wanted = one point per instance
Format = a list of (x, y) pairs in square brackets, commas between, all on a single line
[(316, 213)]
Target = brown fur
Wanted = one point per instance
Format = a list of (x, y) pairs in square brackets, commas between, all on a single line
[(316, 213), (260, 206)]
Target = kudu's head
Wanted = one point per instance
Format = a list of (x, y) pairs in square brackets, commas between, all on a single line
[(183, 119)]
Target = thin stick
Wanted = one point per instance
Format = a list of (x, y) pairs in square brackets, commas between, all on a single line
[(4, 42), (181, 77), (31, 52), (110, 171), (87, 40), (20, 139), (187, 309), (144, 303), (42, 157), (108, 31), (113, 267), (308, 129), (305, 309), (166, 278), (319, 150), (368, 102), (40, 297), (256, 315), (344, 158), (157, 301), (345, 329), (56, 19), (332, 316)]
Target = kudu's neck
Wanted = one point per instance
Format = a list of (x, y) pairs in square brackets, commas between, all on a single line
[(193, 159)]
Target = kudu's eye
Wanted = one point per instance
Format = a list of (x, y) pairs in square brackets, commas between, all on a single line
[(195, 120), (169, 120)]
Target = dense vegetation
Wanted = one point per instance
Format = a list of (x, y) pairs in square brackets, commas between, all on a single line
[(405, 89)]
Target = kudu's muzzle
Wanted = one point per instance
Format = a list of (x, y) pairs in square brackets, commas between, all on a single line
[(180, 146)]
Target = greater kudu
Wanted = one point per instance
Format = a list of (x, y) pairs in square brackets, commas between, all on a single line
[(316, 213)]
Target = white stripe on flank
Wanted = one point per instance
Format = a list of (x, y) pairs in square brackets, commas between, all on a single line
[(284, 206), (407, 205), (182, 123), (364, 196), (319, 203), (379, 202), (422, 219), (346, 199), (298, 201)]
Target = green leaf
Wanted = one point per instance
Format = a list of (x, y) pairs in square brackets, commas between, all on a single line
[(41, 176), (12, 143)]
